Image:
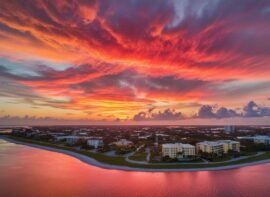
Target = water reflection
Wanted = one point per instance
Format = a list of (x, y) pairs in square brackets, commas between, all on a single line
[(26, 171)]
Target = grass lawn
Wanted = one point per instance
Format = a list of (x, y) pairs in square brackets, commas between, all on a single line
[(120, 160), (224, 158), (139, 156)]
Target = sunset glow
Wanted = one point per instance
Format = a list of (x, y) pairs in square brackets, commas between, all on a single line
[(131, 61)]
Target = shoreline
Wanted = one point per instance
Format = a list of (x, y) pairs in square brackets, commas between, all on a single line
[(91, 161)]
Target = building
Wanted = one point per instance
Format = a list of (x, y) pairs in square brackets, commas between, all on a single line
[(178, 150), (71, 139), (218, 147), (145, 137), (262, 139), (95, 142), (123, 142), (228, 129), (257, 139)]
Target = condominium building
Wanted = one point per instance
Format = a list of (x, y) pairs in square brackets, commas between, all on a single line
[(218, 147), (178, 150)]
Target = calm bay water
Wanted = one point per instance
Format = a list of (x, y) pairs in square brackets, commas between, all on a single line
[(26, 171)]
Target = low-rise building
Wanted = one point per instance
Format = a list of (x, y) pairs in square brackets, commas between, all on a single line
[(257, 139), (218, 147), (95, 142), (71, 139), (123, 142), (262, 139), (145, 137), (178, 150)]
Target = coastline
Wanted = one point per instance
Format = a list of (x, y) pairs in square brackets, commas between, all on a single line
[(91, 161)]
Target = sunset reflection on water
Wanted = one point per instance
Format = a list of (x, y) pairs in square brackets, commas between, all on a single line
[(26, 171)]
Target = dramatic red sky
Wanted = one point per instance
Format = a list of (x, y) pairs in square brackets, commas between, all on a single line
[(135, 61)]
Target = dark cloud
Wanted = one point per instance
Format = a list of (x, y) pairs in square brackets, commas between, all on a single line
[(141, 116), (226, 113), (167, 114), (136, 20), (253, 110), (249, 110), (207, 111)]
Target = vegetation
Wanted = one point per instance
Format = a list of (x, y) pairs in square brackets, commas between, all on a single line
[(121, 150)]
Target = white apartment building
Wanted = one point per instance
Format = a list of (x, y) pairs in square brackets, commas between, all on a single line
[(218, 147), (178, 150), (95, 142)]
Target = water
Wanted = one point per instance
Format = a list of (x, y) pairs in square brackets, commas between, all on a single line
[(31, 172)]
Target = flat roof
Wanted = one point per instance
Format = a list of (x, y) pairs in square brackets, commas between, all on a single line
[(262, 137), (173, 145), (216, 143)]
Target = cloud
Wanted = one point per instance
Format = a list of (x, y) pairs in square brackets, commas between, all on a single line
[(226, 113), (103, 84), (253, 110), (127, 54), (207, 111), (18, 93), (249, 110), (177, 36), (34, 120), (167, 114), (132, 81)]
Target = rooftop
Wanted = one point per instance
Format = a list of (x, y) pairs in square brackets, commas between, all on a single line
[(216, 143), (177, 144)]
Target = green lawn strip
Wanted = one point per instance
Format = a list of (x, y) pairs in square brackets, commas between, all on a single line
[(221, 159), (119, 160), (138, 156)]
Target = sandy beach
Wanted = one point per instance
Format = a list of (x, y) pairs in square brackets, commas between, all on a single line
[(96, 163)]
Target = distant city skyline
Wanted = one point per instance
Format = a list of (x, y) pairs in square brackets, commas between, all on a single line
[(135, 62)]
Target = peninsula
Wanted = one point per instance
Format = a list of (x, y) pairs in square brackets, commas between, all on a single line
[(144, 149)]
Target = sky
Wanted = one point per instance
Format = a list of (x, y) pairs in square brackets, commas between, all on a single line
[(135, 61)]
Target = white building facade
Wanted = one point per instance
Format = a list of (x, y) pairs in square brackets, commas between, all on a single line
[(218, 147), (178, 150)]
